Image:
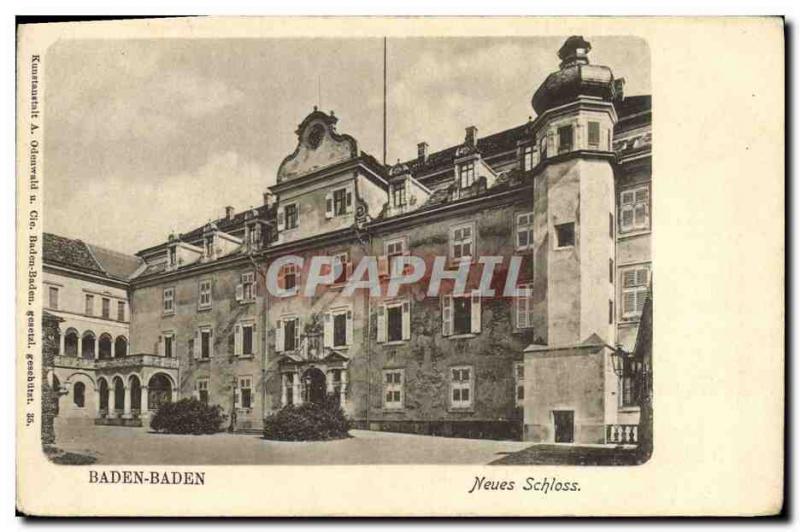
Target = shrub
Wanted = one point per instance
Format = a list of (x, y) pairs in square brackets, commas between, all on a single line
[(308, 422), (188, 416)]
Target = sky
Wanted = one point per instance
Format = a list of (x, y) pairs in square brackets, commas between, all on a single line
[(143, 137)]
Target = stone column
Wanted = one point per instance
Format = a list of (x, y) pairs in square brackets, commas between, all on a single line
[(61, 345), (111, 405), (343, 388), (284, 380), (113, 348), (96, 347), (126, 408), (297, 391), (97, 401), (329, 381)]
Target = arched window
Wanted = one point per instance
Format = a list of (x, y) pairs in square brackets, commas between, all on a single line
[(71, 343), (105, 347), (120, 347), (87, 345), (79, 394)]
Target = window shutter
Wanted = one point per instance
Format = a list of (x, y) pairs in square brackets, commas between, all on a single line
[(447, 315), (349, 201), (239, 292), (349, 328), (629, 302), (629, 278), (406, 320), (640, 215), (328, 205), (297, 333), (627, 197), (383, 266), (161, 345), (196, 347), (281, 219), (327, 330), (282, 278), (642, 276), (475, 319), (237, 340), (381, 323), (279, 336)]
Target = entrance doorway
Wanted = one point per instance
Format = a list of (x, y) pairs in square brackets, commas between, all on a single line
[(564, 421), (314, 385)]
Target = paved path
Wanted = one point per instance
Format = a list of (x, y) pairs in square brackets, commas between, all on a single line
[(124, 445)]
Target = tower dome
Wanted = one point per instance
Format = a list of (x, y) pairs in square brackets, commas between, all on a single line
[(575, 78)]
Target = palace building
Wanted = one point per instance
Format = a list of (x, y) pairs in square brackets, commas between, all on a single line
[(562, 202)]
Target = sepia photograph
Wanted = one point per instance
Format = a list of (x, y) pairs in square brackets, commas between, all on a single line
[(415, 263), (235, 259)]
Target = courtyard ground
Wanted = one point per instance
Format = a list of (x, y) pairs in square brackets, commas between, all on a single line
[(137, 446)]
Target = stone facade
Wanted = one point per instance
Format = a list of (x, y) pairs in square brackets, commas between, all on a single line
[(562, 200)]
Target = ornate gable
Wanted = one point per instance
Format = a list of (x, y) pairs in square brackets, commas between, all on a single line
[(318, 146)]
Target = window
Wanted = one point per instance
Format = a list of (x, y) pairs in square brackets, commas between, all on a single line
[(169, 345), (53, 297), (394, 248), (89, 304), (290, 212), (399, 194), (120, 311), (287, 277), (461, 314), (201, 386), (287, 334), (79, 394), (634, 291), (466, 174), (394, 322), (338, 328), (527, 158), (630, 383), (611, 271), (524, 231), (634, 209), (519, 382), (611, 225), (564, 139), (341, 264), (339, 202), (393, 388), (248, 286), (247, 340), (610, 312), (565, 235), (105, 307), (594, 134), (524, 306), (462, 243), (461, 387), (169, 300), (205, 343), (205, 294), (245, 392)]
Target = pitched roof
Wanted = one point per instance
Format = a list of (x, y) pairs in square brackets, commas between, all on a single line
[(78, 255), (69, 252), (114, 263)]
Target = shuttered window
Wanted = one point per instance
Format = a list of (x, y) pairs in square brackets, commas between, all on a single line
[(634, 209), (634, 290)]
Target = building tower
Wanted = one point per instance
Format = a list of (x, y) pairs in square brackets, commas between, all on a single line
[(571, 384)]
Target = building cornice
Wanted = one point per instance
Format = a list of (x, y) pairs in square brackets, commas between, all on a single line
[(79, 274)]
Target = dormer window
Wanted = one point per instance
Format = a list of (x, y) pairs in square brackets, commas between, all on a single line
[(466, 174), (399, 198), (564, 139)]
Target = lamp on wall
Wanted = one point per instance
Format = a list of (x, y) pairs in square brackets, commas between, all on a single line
[(618, 357)]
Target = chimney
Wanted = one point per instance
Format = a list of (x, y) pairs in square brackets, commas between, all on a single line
[(471, 137), (229, 212), (422, 151)]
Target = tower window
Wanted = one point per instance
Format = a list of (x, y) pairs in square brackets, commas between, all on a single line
[(564, 139), (594, 134), (565, 235)]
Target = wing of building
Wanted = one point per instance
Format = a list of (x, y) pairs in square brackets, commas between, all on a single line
[(563, 200)]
